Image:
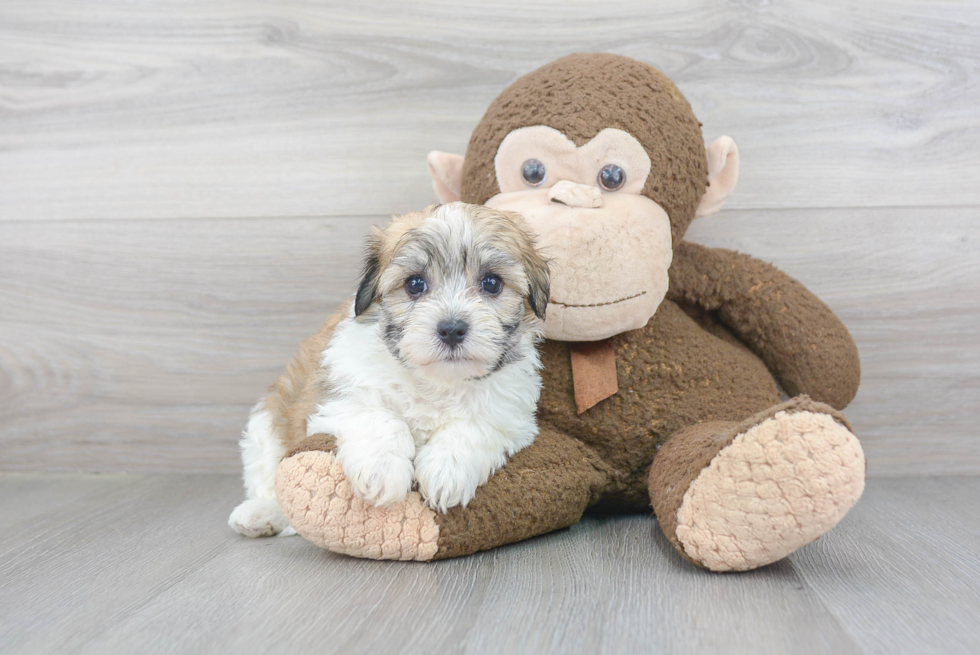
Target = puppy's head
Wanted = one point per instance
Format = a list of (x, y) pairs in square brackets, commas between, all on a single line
[(456, 289)]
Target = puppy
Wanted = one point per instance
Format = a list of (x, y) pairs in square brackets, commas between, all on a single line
[(429, 378)]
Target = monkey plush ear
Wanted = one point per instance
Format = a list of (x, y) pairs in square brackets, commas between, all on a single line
[(446, 170), (722, 175)]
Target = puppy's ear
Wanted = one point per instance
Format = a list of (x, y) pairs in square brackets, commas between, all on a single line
[(367, 291), (538, 281), (522, 245)]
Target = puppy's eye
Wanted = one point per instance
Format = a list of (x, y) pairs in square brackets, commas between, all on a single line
[(415, 286), (533, 172), (491, 284), (611, 177)]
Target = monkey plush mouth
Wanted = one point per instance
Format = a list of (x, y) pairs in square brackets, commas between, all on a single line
[(597, 304)]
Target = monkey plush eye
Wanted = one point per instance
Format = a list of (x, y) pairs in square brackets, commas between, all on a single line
[(611, 177), (415, 286), (491, 284), (533, 172)]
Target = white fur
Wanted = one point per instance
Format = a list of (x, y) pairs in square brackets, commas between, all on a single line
[(393, 424), (262, 448), (261, 451), (442, 417), (258, 517)]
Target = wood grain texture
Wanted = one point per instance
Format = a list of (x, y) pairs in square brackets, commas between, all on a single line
[(147, 563), (140, 345), (241, 109), (131, 342), (918, 566)]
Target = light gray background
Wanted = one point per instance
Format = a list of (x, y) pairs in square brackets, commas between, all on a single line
[(184, 187)]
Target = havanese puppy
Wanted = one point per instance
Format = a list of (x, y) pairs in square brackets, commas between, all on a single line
[(430, 378)]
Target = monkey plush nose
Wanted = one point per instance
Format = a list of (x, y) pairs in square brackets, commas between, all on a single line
[(575, 195), (452, 332)]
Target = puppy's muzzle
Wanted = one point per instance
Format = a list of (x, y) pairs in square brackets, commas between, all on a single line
[(452, 332)]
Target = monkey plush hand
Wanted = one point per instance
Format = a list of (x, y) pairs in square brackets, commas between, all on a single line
[(662, 358)]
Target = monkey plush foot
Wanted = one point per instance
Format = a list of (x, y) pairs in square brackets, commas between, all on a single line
[(734, 498), (544, 487), (319, 502)]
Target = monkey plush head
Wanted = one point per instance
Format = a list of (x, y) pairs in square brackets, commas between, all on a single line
[(605, 159)]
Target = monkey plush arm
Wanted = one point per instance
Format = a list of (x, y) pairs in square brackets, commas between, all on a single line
[(798, 337), (547, 486)]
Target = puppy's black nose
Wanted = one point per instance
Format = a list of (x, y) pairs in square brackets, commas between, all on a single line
[(452, 332)]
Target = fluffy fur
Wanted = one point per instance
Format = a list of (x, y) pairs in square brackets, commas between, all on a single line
[(407, 407)]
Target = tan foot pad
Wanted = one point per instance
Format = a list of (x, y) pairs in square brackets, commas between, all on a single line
[(778, 486), (318, 501)]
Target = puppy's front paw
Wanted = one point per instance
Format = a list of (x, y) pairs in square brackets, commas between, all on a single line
[(258, 517), (447, 478), (380, 478)]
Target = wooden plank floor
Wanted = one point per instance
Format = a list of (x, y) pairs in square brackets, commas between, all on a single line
[(145, 563)]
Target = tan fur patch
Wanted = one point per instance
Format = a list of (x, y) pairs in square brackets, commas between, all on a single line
[(392, 235), (294, 396), (321, 506), (776, 487)]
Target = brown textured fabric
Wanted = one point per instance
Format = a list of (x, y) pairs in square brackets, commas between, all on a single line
[(672, 374), (593, 372), (799, 338), (545, 487), (581, 95), (679, 462), (326, 443), (682, 458)]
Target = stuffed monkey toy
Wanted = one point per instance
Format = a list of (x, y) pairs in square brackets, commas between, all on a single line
[(664, 359)]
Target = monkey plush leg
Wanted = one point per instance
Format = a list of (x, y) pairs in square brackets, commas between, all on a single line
[(545, 487), (734, 497)]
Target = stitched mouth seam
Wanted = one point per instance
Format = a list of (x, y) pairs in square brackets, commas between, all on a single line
[(598, 304)]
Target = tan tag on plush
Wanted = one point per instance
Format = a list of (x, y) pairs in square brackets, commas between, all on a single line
[(593, 372)]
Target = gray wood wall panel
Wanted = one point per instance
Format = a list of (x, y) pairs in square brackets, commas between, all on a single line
[(263, 138), (140, 345), (226, 109)]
